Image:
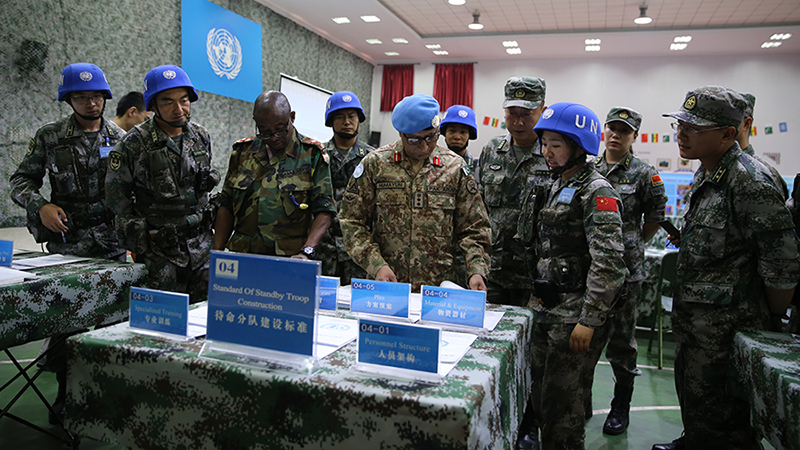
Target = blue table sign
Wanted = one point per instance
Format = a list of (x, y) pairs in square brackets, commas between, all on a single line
[(263, 301), (161, 311), (6, 253), (401, 346), (380, 297), (454, 306), (328, 291)]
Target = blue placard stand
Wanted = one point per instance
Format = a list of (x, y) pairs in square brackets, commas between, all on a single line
[(382, 299), (159, 313), (6, 253), (328, 293), (397, 350), (262, 311), (459, 309)]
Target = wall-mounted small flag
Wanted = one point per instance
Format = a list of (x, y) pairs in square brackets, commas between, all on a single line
[(486, 120), (644, 138), (654, 137), (753, 130), (665, 138), (495, 122)]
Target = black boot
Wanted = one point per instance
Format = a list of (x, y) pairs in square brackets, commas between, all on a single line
[(677, 444), (618, 418)]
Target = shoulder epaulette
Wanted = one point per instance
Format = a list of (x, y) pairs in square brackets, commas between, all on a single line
[(243, 140), (309, 141)]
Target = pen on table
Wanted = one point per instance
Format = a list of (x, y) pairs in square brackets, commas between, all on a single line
[(63, 238)]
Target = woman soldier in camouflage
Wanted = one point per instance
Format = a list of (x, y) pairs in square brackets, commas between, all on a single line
[(580, 272)]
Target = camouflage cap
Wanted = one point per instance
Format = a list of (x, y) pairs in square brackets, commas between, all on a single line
[(622, 114), (712, 105), (525, 92), (751, 104)]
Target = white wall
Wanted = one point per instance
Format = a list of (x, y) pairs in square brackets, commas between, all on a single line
[(652, 86)]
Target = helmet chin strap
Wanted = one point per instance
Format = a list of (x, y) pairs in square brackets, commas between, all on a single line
[(558, 171), (347, 136), (176, 124), (457, 149), (89, 118)]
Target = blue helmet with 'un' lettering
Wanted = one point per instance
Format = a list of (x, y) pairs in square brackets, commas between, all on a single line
[(573, 120)]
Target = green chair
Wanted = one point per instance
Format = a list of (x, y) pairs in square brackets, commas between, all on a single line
[(663, 302)]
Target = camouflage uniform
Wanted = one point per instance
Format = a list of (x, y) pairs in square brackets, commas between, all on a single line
[(77, 174), (581, 251), (507, 175), (266, 197), (330, 250), (737, 238), (793, 204), (159, 192), (642, 193), (461, 277), (417, 220), (777, 179)]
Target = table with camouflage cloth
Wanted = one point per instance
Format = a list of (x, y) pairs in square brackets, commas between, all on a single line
[(766, 370), (146, 392), (66, 298), (645, 312)]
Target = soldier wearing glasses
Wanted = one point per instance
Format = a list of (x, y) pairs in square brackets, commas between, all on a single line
[(277, 197), (737, 268), (74, 151), (422, 202)]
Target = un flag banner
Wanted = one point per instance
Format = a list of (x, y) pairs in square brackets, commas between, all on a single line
[(221, 50)]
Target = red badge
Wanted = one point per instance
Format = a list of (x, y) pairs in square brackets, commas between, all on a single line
[(656, 180), (606, 204), (396, 156), (437, 161)]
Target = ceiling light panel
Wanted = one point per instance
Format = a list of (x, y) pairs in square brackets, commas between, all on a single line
[(510, 44), (374, 41), (514, 51), (341, 20), (370, 19), (399, 41), (441, 52)]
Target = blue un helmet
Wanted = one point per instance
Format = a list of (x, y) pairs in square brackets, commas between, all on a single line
[(463, 115), (343, 100), (574, 120), (82, 77), (162, 78)]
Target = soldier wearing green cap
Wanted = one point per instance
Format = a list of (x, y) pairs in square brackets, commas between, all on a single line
[(743, 138), (737, 267), (409, 204), (511, 168), (643, 198)]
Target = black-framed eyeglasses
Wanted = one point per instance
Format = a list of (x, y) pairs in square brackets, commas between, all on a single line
[(276, 135), (429, 138), (690, 129), (84, 99)]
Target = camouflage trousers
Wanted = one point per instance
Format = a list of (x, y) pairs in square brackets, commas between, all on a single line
[(712, 417), (500, 295), (336, 262), (558, 392), (99, 241), (164, 275)]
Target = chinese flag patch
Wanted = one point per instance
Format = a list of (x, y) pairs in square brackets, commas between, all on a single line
[(656, 180), (606, 204)]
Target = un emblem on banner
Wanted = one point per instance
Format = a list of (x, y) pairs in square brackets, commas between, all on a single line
[(224, 53)]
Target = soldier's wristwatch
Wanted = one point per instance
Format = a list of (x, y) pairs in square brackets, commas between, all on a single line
[(308, 251)]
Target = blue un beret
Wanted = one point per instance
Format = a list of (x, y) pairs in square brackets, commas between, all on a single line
[(416, 113)]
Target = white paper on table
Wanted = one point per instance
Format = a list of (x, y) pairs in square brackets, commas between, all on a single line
[(452, 348), (21, 251), (324, 350), (198, 316), (12, 276), (491, 319), (193, 330), (47, 260), (336, 332), (344, 295)]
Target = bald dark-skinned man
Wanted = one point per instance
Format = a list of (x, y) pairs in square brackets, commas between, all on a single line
[(277, 198)]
